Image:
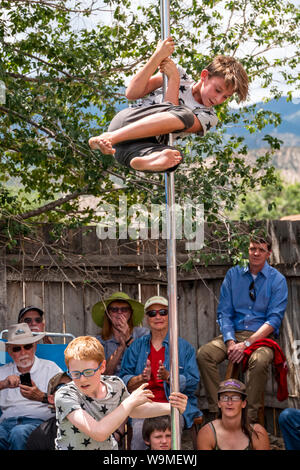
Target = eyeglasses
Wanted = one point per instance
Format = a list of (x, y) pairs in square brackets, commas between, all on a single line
[(76, 374), (232, 398), (252, 293), (27, 347), (119, 309), (152, 313), (31, 320)]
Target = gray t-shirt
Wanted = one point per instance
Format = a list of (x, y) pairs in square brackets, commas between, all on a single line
[(69, 398)]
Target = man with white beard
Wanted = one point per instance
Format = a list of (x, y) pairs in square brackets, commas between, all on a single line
[(23, 407)]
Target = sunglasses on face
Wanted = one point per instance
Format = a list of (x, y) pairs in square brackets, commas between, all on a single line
[(76, 374), (27, 347), (162, 312), (31, 320), (252, 293), (119, 309), (232, 398)]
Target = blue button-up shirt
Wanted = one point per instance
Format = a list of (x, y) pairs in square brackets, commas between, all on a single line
[(134, 362), (236, 311), (111, 344)]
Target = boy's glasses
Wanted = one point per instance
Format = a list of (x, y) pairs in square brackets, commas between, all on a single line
[(119, 309), (152, 313), (232, 398), (31, 320), (76, 374), (27, 347), (252, 293)]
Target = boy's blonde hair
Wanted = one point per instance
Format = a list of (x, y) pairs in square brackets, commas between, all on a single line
[(233, 73), (85, 348)]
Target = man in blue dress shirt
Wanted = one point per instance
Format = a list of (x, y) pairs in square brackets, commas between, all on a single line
[(251, 307)]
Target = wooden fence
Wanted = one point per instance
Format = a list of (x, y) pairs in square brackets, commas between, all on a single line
[(67, 287)]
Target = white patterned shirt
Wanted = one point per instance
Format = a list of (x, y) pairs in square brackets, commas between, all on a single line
[(206, 115), (69, 398)]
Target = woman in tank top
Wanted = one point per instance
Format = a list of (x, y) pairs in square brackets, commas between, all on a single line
[(231, 430)]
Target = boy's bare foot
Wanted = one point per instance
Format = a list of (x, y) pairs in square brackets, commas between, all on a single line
[(157, 161), (102, 142)]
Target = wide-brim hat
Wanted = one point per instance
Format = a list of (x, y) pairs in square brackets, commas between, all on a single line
[(20, 333), (26, 309), (232, 385), (99, 309)]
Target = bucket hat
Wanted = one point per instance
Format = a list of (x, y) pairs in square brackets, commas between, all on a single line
[(99, 309), (20, 333), (232, 385)]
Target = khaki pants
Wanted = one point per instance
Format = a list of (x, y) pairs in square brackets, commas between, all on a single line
[(210, 355)]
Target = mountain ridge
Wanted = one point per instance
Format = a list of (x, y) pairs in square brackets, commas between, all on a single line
[(288, 130)]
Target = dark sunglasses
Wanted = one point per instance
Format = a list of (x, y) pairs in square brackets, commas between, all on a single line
[(119, 309), (252, 293), (31, 320), (27, 347), (152, 313)]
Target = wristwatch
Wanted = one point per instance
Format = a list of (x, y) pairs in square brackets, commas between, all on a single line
[(247, 343), (45, 398), (128, 341)]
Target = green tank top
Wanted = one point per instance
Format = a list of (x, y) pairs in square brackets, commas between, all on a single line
[(215, 434)]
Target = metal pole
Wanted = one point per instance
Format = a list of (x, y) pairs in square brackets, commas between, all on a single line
[(171, 259)]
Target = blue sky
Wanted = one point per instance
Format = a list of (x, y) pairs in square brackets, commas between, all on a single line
[(257, 93)]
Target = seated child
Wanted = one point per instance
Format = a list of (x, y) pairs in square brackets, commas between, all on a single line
[(157, 433), (138, 136), (91, 407)]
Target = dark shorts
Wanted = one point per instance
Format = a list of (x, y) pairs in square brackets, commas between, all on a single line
[(126, 151)]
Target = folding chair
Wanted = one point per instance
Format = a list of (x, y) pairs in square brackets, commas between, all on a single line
[(52, 352)]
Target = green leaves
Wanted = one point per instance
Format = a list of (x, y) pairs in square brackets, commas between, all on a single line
[(65, 72)]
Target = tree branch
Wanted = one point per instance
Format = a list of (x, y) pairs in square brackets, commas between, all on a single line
[(30, 121), (52, 205), (60, 6)]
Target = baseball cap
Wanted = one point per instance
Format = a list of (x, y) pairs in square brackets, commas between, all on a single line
[(56, 380), (232, 385), (157, 299), (26, 309)]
